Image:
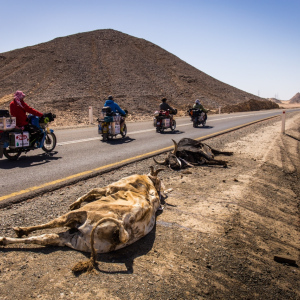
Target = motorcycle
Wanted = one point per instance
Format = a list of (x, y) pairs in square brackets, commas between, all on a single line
[(198, 117), (164, 119), (14, 141), (109, 124)]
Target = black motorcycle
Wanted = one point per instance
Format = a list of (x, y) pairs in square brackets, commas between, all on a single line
[(198, 117), (14, 141)]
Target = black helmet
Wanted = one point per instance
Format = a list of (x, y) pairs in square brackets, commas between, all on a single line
[(110, 97)]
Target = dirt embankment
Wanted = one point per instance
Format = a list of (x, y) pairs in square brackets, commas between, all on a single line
[(215, 239)]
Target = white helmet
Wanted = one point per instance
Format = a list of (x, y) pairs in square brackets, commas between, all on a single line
[(197, 101)]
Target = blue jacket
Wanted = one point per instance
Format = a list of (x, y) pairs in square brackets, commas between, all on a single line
[(114, 107)]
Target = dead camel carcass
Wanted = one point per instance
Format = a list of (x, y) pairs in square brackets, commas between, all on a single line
[(117, 215), (189, 152)]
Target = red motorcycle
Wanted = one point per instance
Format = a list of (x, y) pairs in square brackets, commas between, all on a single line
[(164, 119)]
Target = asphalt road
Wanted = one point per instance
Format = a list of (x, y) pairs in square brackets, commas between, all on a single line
[(80, 151)]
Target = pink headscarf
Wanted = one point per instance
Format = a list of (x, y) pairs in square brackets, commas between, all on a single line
[(19, 95)]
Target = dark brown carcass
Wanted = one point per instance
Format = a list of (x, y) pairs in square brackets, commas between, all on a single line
[(189, 152)]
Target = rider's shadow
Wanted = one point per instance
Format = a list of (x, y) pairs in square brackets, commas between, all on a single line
[(28, 161), (205, 127), (120, 141), (173, 132)]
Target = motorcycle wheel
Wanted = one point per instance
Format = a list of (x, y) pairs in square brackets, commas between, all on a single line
[(173, 126), (203, 123), (12, 154), (124, 132), (195, 124), (50, 142)]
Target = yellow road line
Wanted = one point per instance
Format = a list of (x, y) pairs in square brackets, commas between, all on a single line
[(47, 184)]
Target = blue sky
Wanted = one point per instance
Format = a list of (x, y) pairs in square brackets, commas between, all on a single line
[(253, 45)]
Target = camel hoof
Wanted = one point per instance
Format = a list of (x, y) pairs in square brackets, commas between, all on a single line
[(20, 232), (2, 241)]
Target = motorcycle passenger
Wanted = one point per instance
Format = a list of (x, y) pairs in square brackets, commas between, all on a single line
[(116, 108), (199, 106), (18, 108)]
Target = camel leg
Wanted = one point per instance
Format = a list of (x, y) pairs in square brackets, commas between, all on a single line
[(217, 163), (217, 152), (52, 239), (90, 196), (70, 219), (72, 240)]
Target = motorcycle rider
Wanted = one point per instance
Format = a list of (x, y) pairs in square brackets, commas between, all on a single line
[(116, 108), (199, 106), (165, 106), (18, 108)]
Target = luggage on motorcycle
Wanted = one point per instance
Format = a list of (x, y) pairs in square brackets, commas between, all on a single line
[(117, 118), (114, 128), (201, 117), (4, 113), (48, 117), (100, 128), (166, 122), (7, 123), (155, 123), (18, 139), (107, 111), (164, 114), (196, 112), (34, 120), (108, 119)]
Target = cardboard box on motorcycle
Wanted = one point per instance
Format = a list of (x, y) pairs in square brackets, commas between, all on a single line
[(114, 128), (7, 123), (17, 140)]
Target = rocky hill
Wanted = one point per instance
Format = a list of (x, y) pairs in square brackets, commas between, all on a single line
[(250, 105), (69, 74), (295, 99)]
